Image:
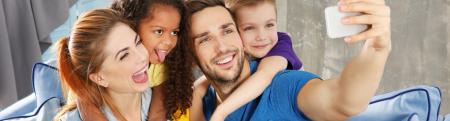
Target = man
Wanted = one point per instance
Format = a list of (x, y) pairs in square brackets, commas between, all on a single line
[(293, 95)]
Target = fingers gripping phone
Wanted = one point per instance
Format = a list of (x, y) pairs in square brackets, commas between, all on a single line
[(335, 27)]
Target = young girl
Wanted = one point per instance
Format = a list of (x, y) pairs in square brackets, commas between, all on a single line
[(257, 24), (105, 65), (159, 24)]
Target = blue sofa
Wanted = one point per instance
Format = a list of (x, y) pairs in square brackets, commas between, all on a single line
[(419, 103), (44, 102)]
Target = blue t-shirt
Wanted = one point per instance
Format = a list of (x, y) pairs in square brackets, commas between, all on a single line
[(278, 102)]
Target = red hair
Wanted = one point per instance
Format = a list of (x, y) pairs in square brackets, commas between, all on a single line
[(81, 55)]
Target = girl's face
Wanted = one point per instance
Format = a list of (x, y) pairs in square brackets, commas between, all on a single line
[(126, 62), (258, 28), (159, 31)]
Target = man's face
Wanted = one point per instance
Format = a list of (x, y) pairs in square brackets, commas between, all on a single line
[(217, 44)]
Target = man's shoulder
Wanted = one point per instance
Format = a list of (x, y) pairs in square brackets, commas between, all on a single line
[(295, 75)]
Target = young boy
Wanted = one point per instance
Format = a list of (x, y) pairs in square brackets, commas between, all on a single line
[(257, 23)]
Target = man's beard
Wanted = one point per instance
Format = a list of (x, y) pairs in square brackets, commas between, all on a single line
[(214, 76)]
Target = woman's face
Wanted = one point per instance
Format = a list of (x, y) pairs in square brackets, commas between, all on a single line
[(159, 31), (126, 62)]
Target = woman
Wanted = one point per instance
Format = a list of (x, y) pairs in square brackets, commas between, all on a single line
[(105, 64)]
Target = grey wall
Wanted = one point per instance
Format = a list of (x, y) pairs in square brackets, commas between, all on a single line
[(421, 46)]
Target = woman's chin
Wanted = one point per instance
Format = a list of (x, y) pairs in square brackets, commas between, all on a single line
[(141, 87)]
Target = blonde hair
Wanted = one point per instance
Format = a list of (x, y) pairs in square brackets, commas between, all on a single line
[(235, 5)]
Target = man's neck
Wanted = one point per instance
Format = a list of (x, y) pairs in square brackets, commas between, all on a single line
[(223, 91)]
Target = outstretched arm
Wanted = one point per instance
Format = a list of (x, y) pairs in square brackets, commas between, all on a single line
[(348, 95)]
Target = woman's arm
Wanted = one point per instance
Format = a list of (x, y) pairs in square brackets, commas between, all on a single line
[(252, 87)]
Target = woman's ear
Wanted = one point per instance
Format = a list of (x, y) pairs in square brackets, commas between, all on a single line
[(98, 79)]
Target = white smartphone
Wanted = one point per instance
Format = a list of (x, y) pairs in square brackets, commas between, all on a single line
[(335, 27)]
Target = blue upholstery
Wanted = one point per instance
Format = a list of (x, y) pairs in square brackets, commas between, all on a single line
[(46, 82), (444, 118), (420, 103), (23, 106), (44, 102)]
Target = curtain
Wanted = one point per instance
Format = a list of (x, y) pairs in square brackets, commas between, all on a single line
[(25, 26)]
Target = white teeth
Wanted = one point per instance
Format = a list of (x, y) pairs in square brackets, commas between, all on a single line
[(226, 60), (141, 72), (162, 51)]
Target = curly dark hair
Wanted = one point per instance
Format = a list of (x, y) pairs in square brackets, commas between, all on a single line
[(177, 88)]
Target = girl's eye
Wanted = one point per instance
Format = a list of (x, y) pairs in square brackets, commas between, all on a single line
[(175, 33), (123, 56), (158, 32)]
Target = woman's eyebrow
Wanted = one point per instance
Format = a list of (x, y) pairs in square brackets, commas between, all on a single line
[(120, 51)]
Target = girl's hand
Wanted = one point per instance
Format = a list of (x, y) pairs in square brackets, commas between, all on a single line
[(376, 14)]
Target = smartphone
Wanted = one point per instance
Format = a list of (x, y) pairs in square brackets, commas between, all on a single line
[(335, 27)]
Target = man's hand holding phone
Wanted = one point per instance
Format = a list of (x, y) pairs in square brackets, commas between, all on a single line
[(358, 20)]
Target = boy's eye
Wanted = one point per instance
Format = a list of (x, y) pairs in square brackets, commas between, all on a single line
[(123, 56), (270, 25), (248, 28)]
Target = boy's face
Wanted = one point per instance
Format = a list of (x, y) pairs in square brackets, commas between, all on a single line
[(258, 28)]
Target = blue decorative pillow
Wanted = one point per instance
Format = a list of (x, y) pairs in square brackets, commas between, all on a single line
[(419, 103), (44, 102), (46, 82)]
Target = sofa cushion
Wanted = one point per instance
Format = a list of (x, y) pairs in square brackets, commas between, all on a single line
[(419, 103), (47, 98)]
